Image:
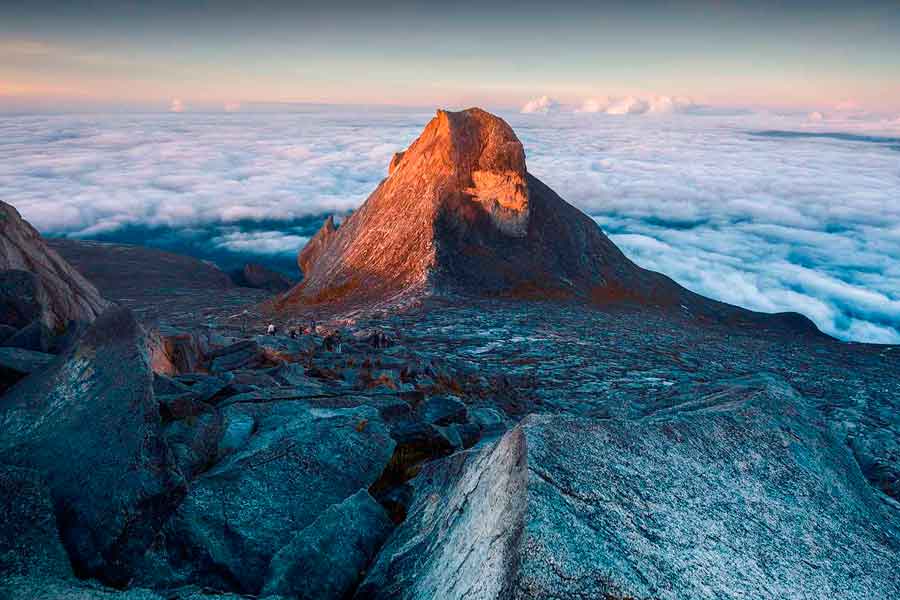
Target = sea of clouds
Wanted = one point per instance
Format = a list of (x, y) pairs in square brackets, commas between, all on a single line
[(766, 211)]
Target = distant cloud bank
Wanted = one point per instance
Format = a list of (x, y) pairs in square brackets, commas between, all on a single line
[(631, 105), (770, 212), (613, 105), (543, 105)]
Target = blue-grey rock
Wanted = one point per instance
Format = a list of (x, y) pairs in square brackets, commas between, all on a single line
[(327, 558), (6, 332), (296, 463), (164, 385), (468, 433), (29, 538), (238, 428), (35, 336), (41, 588), (418, 441), (443, 410), (207, 388), (90, 426), (486, 418), (173, 407), (22, 298), (195, 442), (244, 354), (737, 494), (285, 347), (23, 362)]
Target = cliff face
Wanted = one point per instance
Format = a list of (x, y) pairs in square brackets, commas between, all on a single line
[(62, 293), (459, 213)]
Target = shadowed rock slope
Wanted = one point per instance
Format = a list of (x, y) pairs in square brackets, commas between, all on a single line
[(459, 213)]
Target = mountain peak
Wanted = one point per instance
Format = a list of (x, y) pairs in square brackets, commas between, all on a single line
[(480, 157), (459, 213)]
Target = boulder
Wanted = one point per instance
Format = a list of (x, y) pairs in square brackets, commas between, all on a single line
[(259, 277), (174, 407), (165, 385), (89, 425), (284, 467), (173, 352), (39, 588), (22, 298), (22, 361), (35, 336), (327, 558), (207, 388), (58, 292), (6, 332), (195, 442), (468, 434), (738, 494), (487, 418), (244, 354), (29, 537), (443, 410), (285, 348), (416, 443), (16, 363)]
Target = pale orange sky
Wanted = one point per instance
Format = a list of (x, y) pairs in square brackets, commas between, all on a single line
[(124, 56)]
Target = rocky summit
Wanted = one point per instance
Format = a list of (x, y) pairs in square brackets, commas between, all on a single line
[(472, 393), (459, 212)]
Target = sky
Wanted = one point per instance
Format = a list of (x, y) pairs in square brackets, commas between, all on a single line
[(768, 211), (224, 55)]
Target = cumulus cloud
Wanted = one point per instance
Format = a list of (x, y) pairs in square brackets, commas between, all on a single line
[(627, 106), (633, 105), (176, 106), (802, 220), (260, 242), (543, 105)]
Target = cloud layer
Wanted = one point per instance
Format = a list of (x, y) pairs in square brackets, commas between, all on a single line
[(748, 209)]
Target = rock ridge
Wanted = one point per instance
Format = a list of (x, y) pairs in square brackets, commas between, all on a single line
[(62, 293)]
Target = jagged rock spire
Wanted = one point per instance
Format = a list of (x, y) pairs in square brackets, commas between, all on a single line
[(459, 212)]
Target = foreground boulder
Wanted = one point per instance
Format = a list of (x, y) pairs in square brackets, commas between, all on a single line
[(16, 363), (29, 538), (38, 588), (284, 465), (57, 295), (325, 560), (737, 495), (89, 425)]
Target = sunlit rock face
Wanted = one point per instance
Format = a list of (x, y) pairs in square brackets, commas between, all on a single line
[(483, 157), (59, 293), (459, 213), (466, 166)]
